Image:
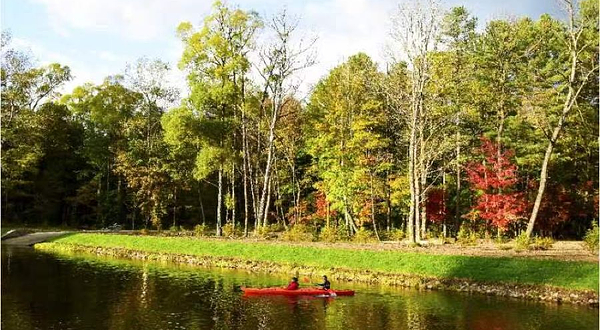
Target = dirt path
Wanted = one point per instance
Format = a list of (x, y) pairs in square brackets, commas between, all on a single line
[(33, 238)]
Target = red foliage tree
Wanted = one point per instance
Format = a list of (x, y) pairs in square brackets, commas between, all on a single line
[(566, 202), (556, 207), (322, 206), (494, 180), (436, 205)]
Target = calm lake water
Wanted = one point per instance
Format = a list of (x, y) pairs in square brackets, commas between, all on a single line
[(60, 291)]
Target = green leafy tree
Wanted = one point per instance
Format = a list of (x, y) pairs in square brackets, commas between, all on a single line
[(564, 75), (453, 82), (24, 88), (501, 74), (104, 111), (347, 117), (215, 58), (143, 161)]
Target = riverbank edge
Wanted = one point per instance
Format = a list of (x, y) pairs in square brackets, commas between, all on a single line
[(519, 291)]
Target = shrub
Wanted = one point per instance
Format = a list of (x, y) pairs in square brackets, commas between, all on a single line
[(298, 233), (144, 231), (466, 237), (268, 231), (522, 242), (342, 232), (446, 240), (201, 230), (541, 243), (329, 234), (396, 235), (230, 231), (501, 240), (174, 229), (364, 236), (501, 243), (591, 238)]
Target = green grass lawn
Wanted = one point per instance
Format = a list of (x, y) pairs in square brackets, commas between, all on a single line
[(564, 274)]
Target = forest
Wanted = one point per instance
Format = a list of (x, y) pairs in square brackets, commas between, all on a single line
[(463, 131)]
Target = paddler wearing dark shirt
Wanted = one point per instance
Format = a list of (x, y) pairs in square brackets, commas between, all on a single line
[(325, 285)]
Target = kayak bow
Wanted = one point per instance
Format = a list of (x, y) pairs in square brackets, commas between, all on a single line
[(298, 292)]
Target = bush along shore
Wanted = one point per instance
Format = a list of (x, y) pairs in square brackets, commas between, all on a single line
[(525, 278)]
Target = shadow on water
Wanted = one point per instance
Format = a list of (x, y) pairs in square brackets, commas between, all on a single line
[(71, 291)]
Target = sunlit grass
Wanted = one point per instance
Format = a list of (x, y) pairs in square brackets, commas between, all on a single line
[(564, 274)]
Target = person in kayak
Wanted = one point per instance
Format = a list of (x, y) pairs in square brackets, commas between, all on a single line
[(293, 284), (325, 285)]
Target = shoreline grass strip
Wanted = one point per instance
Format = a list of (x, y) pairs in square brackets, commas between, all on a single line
[(576, 275)]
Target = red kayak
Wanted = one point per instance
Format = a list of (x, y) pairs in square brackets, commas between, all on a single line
[(298, 292)]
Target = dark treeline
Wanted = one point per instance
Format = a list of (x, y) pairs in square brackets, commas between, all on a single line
[(490, 132)]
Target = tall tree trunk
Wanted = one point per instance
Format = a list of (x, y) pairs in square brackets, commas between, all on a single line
[(351, 226), (219, 200), (119, 199), (254, 177), (423, 170), (267, 203), (298, 214), (422, 183), (233, 196), (255, 172), (175, 207), (253, 190), (245, 170), (133, 213), (262, 209), (201, 205), (373, 208), (411, 175), (388, 198), (544, 176), (457, 214), (423, 209), (444, 202), (417, 202), (98, 202), (294, 204), (279, 205)]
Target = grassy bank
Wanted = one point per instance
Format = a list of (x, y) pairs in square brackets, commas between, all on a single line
[(554, 273)]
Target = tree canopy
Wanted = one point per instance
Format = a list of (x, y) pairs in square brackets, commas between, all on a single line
[(491, 130)]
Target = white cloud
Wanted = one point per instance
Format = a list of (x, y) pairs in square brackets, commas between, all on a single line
[(83, 68), (39, 53), (105, 55), (346, 28), (343, 29), (131, 19)]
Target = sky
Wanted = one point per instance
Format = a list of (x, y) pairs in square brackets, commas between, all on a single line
[(97, 38)]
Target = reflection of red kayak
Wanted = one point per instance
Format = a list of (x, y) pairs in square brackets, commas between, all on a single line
[(299, 292)]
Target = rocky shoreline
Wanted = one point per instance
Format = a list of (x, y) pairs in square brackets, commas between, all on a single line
[(519, 291)]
